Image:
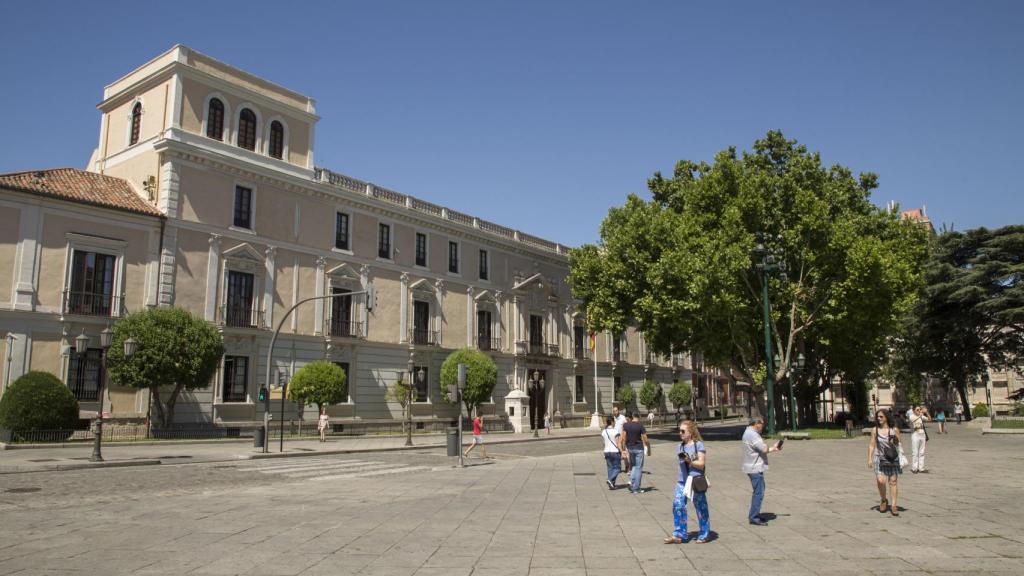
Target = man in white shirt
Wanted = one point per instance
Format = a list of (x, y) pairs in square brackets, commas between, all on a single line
[(620, 421), (918, 438), (755, 462)]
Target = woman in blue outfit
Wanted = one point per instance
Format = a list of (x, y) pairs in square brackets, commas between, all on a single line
[(692, 463)]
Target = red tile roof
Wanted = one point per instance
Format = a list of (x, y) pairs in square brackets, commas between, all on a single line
[(77, 185)]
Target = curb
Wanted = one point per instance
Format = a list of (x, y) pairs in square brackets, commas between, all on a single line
[(1002, 430), (77, 466)]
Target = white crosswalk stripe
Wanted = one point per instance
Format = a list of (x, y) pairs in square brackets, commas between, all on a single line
[(327, 468)]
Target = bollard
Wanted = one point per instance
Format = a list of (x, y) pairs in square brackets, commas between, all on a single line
[(453, 441), (257, 438)]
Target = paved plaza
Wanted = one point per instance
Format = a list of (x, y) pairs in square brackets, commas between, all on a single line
[(538, 509)]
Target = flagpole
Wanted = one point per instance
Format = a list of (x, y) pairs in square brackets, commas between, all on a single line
[(595, 420)]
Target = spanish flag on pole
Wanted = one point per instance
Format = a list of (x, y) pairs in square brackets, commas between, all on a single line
[(593, 341)]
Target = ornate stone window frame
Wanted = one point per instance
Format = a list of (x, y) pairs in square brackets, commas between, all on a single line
[(101, 245), (242, 258)]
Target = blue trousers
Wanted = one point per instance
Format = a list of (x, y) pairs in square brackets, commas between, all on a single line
[(636, 474), (614, 462), (700, 504), (757, 483)]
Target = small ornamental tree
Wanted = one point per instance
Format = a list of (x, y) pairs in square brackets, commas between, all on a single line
[(481, 376), (649, 394), (401, 392), (322, 383), (625, 396), (680, 395), (38, 401), (175, 351)]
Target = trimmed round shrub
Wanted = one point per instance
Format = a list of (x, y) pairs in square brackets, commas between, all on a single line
[(38, 401), (980, 410)]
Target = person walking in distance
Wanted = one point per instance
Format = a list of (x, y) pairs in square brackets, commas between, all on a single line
[(612, 451), (478, 439), (884, 458), (958, 411), (692, 485), (918, 439), (322, 423), (755, 462), (547, 422), (634, 438)]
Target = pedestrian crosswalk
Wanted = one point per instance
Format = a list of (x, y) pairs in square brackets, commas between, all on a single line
[(328, 468)]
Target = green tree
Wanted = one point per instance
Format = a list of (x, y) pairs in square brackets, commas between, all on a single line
[(322, 383), (625, 395), (175, 352), (971, 314), (649, 394), (481, 376), (680, 395), (38, 401), (402, 392), (680, 266)]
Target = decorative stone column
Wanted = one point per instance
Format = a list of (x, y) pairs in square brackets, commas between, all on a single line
[(212, 277), (470, 309), (318, 310), (403, 309), (269, 286)]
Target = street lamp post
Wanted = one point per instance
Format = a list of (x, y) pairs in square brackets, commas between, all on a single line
[(795, 367), (81, 347), (415, 376), (538, 387), (767, 262)]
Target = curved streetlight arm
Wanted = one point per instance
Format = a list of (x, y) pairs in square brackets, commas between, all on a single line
[(370, 294)]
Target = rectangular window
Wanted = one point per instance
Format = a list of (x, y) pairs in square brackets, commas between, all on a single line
[(579, 342), (422, 376), (617, 349), (421, 249), (483, 330), (92, 284), (421, 333), (453, 257), (236, 379), (348, 380), (536, 329), (384, 241), (616, 384), (484, 273), (243, 207), (239, 305), (341, 231), (341, 315), (579, 388), (84, 373)]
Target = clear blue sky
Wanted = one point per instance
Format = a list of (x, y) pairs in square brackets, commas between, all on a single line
[(541, 115)]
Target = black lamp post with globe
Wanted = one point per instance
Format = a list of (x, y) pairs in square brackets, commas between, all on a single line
[(81, 347), (767, 261)]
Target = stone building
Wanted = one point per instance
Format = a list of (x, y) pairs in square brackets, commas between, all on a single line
[(203, 194)]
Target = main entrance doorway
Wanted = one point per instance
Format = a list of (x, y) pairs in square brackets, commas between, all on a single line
[(537, 387)]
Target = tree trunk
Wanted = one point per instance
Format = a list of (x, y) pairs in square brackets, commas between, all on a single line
[(961, 388), (762, 407), (154, 392)]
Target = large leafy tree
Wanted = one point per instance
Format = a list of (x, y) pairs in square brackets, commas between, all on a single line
[(322, 383), (971, 313), (680, 264), (175, 352), (481, 376)]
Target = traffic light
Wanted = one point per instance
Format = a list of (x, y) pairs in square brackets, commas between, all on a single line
[(263, 394), (371, 296), (453, 392)]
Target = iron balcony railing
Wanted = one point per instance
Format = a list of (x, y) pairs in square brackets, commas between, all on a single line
[(484, 343), (346, 328), (423, 337), (92, 304), (542, 349), (241, 316)]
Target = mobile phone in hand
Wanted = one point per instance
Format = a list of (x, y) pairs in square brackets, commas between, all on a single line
[(779, 445)]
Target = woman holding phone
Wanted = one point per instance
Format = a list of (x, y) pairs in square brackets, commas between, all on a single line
[(884, 458), (692, 485)]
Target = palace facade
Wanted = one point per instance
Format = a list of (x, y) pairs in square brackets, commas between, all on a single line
[(203, 194)]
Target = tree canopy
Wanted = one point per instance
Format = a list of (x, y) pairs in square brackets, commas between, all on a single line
[(175, 350), (649, 394), (322, 383), (481, 376), (680, 265), (970, 316)]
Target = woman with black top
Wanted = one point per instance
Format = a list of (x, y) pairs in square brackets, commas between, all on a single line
[(883, 456)]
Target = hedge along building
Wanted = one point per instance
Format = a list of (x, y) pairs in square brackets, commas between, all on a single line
[(236, 223)]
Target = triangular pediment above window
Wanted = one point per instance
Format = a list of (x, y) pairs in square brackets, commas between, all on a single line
[(344, 272), (485, 296), (535, 281), (244, 251), (423, 286)]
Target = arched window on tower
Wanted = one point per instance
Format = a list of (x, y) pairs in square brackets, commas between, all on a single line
[(247, 129), (276, 145), (215, 120), (136, 124)]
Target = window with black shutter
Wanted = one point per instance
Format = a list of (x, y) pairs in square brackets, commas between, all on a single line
[(341, 231), (215, 120), (136, 123), (276, 145), (243, 207), (247, 129), (421, 249)]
